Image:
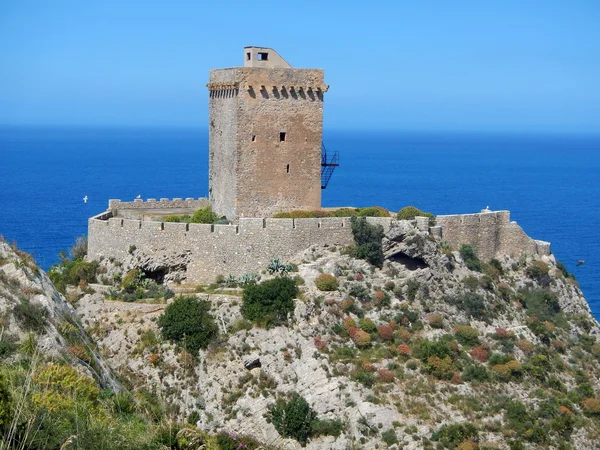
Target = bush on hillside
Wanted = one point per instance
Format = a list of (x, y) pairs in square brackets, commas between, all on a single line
[(368, 240), (292, 417), (326, 282), (269, 302), (410, 212), (452, 435), (188, 323), (70, 272), (537, 270), (474, 305), (470, 258), (32, 316)]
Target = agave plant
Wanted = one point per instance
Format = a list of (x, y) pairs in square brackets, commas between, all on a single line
[(247, 278), (277, 266)]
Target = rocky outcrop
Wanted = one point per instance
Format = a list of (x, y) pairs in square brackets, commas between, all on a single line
[(34, 311)]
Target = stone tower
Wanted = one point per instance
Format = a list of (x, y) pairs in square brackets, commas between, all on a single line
[(265, 134)]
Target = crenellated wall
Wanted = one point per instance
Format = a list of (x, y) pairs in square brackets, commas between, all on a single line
[(490, 233), (249, 245)]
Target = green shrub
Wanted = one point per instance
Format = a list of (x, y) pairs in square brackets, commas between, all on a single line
[(187, 322), (32, 316), (326, 282), (205, 215), (540, 303), (71, 272), (389, 437), (412, 287), (470, 258), (373, 211), (344, 212), (367, 325), (186, 218), (425, 349), (410, 212), (269, 302), (475, 372), (132, 280), (368, 240), (537, 270), (452, 435), (326, 427), (292, 417), (467, 335), (442, 368), (474, 305), (6, 408)]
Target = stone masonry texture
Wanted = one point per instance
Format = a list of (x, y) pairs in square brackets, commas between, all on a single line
[(250, 245), (265, 134)]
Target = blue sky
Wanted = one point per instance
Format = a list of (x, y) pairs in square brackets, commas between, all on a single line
[(402, 65)]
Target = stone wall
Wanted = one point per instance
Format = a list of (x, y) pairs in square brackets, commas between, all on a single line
[(490, 233), (249, 245), (214, 250), (144, 210)]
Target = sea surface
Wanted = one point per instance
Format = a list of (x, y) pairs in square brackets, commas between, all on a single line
[(550, 183)]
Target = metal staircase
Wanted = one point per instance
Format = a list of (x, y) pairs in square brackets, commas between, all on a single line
[(328, 165)]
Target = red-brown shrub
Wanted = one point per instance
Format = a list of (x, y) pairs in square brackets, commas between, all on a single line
[(479, 353), (386, 375), (385, 332)]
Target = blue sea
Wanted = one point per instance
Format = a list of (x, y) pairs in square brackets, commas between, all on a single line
[(550, 183)]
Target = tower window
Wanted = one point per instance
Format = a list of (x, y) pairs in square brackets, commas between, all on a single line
[(248, 56), (287, 169), (282, 136), (253, 138), (263, 56)]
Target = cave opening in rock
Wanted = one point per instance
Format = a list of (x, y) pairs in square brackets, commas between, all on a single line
[(409, 262), (157, 275)]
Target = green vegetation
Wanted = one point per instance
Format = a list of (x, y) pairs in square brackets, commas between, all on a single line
[(367, 238), (326, 282), (187, 322), (72, 272), (410, 212), (371, 211), (32, 316), (452, 435), (293, 417), (204, 215), (470, 258), (53, 406), (474, 305), (269, 302)]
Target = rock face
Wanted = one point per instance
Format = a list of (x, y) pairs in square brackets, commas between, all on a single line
[(34, 311), (396, 353)]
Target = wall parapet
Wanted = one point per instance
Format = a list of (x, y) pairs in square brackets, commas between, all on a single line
[(490, 233), (163, 203)]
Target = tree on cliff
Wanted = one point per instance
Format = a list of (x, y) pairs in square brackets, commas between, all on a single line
[(368, 240)]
